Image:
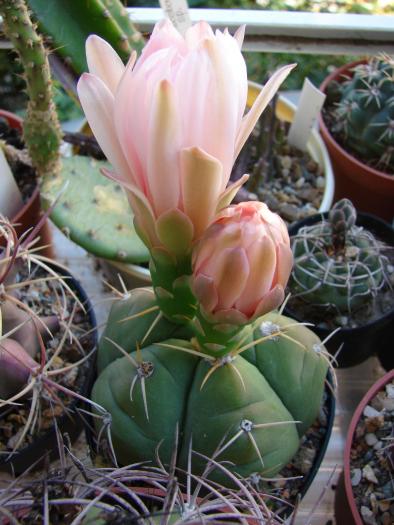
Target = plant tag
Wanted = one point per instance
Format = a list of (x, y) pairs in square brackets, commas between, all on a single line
[(10, 196), (310, 103), (178, 12)]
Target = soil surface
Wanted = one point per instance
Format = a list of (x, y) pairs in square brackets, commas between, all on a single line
[(372, 460)]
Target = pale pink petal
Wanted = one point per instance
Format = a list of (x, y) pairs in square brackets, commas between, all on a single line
[(98, 104), (164, 36), (205, 291), (239, 35), (104, 62), (233, 271), (284, 265), (262, 101), (198, 32), (262, 261), (270, 302), (230, 192), (201, 182), (163, 168)]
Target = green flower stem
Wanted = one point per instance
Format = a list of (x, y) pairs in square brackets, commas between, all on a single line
[(217, 339), (171, 284)]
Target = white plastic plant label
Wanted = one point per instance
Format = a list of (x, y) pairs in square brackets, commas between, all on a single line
[(10, 196), (178, 12), (309, 106)]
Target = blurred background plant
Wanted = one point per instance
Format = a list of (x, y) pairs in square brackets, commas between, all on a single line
[(316, 67)]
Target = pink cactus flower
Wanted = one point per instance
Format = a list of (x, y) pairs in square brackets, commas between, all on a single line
[(242, 263), (171, 124)]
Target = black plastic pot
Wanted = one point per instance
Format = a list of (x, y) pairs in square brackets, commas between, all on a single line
[(45, 445), (376, 336)]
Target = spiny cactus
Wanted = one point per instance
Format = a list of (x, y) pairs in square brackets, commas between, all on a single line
[(364, 113), (135, 495), (42, 358), (245, 405), (41, 126), (337, 263), (21, 330), (75, 21)]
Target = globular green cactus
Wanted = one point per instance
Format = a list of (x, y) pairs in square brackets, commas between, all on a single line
[(75, 21), (250, 407), (41, 128), (93, 211), (336, 263), (363, 116)]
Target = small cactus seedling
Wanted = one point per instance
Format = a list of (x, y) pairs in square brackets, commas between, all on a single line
[(363, 113), (337, 264)]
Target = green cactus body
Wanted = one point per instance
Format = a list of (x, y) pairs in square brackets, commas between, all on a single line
[(248, 405), (337, 263), (41, 127), (76, 20), (364, 114), (93, 211)]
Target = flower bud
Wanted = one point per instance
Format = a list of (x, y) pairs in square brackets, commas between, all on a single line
[(242, 264)]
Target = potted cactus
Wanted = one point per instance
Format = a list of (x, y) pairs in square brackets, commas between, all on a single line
[(357, 127), (342, 280), (204, 349), (47, 340)]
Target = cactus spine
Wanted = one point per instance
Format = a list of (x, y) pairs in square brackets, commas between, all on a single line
[(41, 127)]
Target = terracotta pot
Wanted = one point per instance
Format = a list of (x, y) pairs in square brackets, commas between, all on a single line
[(30, 213), (371, 190), (346, 511)]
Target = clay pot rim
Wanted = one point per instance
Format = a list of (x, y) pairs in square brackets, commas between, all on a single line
[(327, 134), (375, 388), (12, 118)]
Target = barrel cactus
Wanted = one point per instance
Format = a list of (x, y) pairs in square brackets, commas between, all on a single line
[(204, 351), (336, 262), (364, 112)]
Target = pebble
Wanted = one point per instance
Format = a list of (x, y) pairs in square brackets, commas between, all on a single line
[(390, 391), (300, 182), (367, 515), (370, 412), (356, 477), (371, 439), (369, 474), (386, 519), (320, 182), (378, 445)]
